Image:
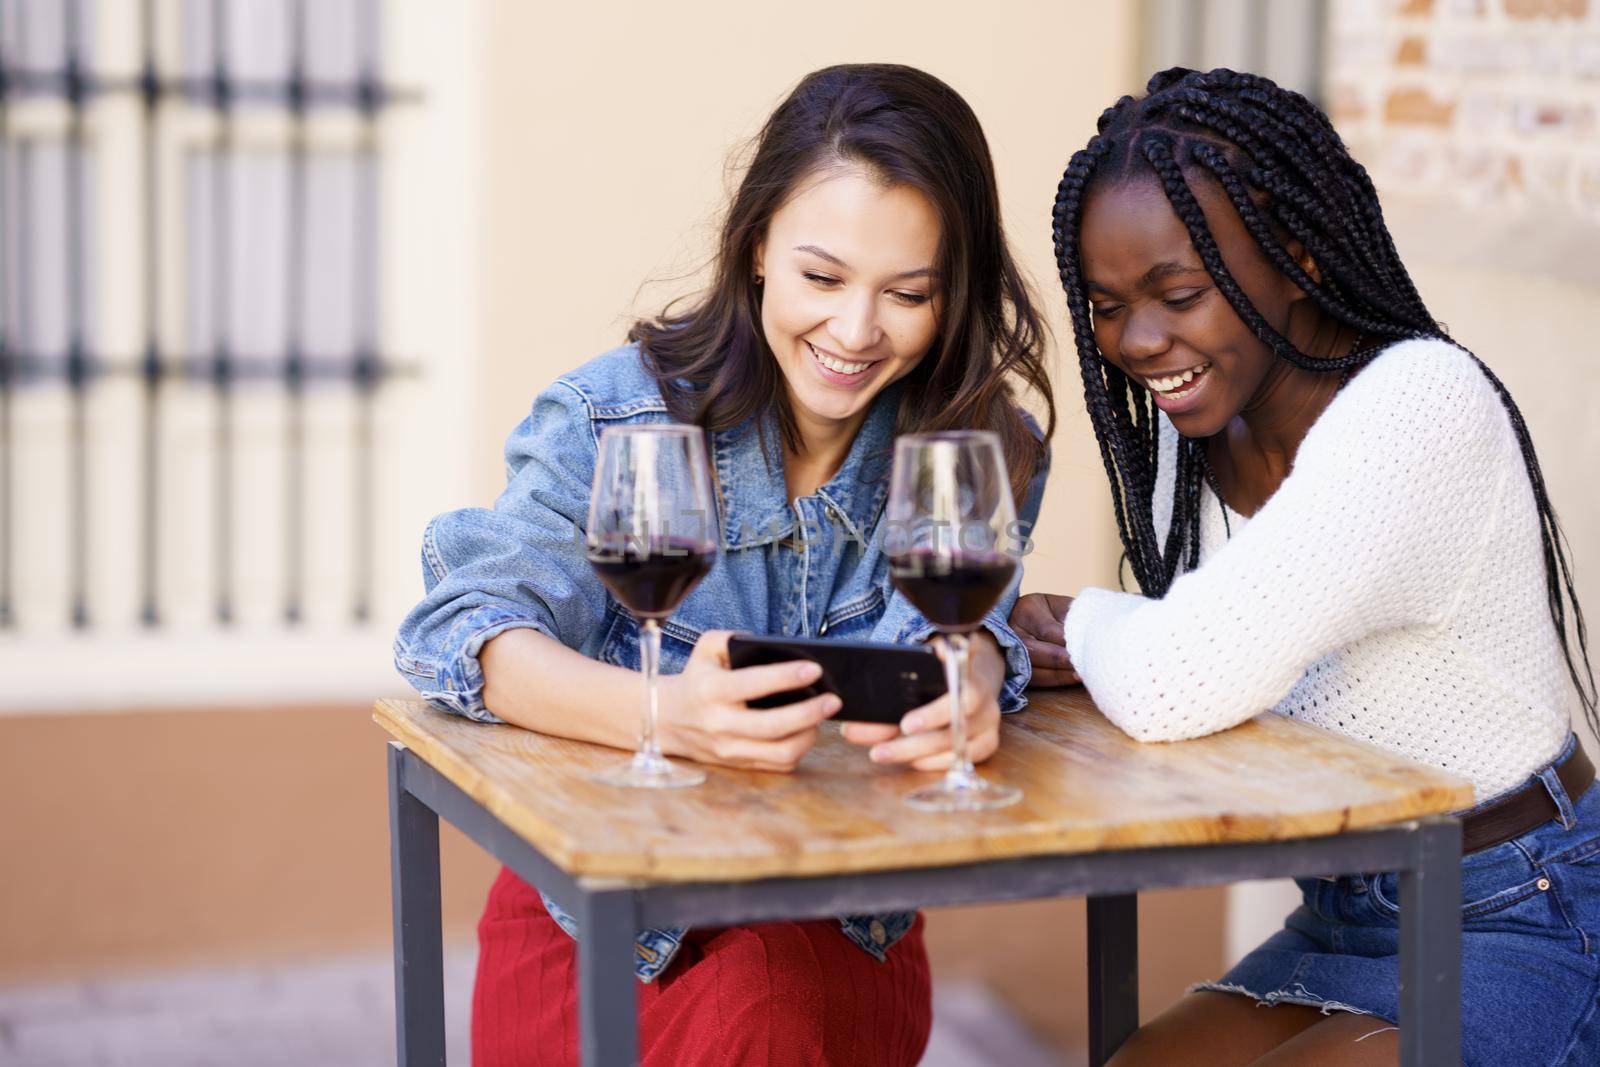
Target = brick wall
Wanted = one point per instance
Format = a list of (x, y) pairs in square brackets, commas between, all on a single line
[(1491, 103)]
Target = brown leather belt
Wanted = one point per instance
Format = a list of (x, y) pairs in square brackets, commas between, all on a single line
[(1530, 806)]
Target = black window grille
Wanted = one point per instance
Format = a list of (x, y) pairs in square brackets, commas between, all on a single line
[(1282, 39), (293, 307)]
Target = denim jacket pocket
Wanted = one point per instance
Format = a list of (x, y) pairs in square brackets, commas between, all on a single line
[(854, 621)]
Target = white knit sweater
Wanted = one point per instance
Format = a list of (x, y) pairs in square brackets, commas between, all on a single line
[(1392, 589)]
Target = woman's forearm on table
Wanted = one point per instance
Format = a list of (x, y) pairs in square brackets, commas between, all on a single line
[(534, 681)]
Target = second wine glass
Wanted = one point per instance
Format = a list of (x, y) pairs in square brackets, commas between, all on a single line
[(953, 550), (651, 538)]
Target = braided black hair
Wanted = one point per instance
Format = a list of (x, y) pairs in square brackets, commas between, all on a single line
[(1282, 166)]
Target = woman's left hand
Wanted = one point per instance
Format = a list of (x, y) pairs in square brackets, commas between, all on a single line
[(923, 737)]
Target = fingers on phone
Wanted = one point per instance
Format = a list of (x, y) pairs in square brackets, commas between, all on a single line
[(790, 719), (934, 715), (911, 747), (979, 748), (753, 683), (1050, 679), (869, 733)]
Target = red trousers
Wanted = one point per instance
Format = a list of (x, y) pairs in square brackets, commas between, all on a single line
[(783, 993)]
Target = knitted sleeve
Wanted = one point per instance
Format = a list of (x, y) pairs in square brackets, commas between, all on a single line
[(1379, 525)]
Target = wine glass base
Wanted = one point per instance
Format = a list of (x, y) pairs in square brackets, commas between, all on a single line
[(649, 772), (974, 794)]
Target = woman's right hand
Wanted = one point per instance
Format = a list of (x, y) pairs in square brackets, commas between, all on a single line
[(705, 717), (1037, 619)]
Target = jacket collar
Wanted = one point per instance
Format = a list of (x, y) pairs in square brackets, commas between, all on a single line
[(755, 499)]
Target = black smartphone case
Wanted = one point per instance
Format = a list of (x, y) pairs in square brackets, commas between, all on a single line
[(877, 682)]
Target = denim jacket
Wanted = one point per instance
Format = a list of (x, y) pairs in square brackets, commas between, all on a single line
[(811, 569)]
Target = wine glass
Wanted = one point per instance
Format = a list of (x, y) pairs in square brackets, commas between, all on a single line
[(953, 550), (651, 538)]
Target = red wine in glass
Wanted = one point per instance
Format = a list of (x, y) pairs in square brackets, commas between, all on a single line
[(651, 537), (952, 553), (954, 591), (652, 579)]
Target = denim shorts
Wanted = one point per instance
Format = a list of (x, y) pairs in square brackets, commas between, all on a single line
[(1530, 944)]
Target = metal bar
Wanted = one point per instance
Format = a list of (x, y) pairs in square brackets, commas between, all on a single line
[(7, 513), (1168, 33), (490, 834), (1032, 878), (1317, 59), (1113, 973), (1430, 947), (607, 990), (1255, 36), (418, 937), (78, 369), (1192, 28), (329, 368), (368, 372), (150, 366), (221, 280), (294, 482), (23, 314), (27, 82)]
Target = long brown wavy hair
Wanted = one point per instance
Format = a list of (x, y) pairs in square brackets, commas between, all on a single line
[(906, 127)]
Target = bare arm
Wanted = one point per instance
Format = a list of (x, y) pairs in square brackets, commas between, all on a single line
[(536, 682)]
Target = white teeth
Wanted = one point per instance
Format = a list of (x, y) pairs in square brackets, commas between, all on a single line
[(1167, 386), (837, 364)]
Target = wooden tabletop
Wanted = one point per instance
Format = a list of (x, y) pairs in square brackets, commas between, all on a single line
[(1086, 786)]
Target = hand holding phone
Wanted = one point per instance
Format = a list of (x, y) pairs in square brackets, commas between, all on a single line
[(705, 712), (877, 682)]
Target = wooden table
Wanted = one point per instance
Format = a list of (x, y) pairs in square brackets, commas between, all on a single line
[(1102, 816)]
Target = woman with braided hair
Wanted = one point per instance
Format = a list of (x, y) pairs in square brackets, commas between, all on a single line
[(1335, 511)]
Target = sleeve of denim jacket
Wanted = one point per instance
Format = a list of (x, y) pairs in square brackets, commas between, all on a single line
[(518, 564), (904, 624)]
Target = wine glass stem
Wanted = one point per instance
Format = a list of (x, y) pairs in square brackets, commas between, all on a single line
[(955, 673), (650, 656)]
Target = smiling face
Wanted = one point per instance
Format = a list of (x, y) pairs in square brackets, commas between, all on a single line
[(1159, 317), (849, 302)]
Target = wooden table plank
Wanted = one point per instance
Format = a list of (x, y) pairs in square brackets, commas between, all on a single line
[(1086, 785)]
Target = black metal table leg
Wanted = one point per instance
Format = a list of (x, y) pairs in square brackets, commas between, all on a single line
[(418, 939), (607, 997), (1430, 948), (1113, 973)]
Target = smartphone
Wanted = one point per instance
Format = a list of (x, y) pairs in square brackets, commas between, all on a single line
[(877, 682)]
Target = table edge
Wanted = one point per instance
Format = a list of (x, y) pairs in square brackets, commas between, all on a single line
[(579, 862)]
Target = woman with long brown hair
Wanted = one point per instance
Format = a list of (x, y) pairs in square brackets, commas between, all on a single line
[(862, 288)]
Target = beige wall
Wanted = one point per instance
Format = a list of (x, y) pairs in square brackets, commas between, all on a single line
[(611, 126)]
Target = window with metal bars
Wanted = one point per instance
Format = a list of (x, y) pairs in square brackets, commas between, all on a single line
[(192, 356), (1282, 39)]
